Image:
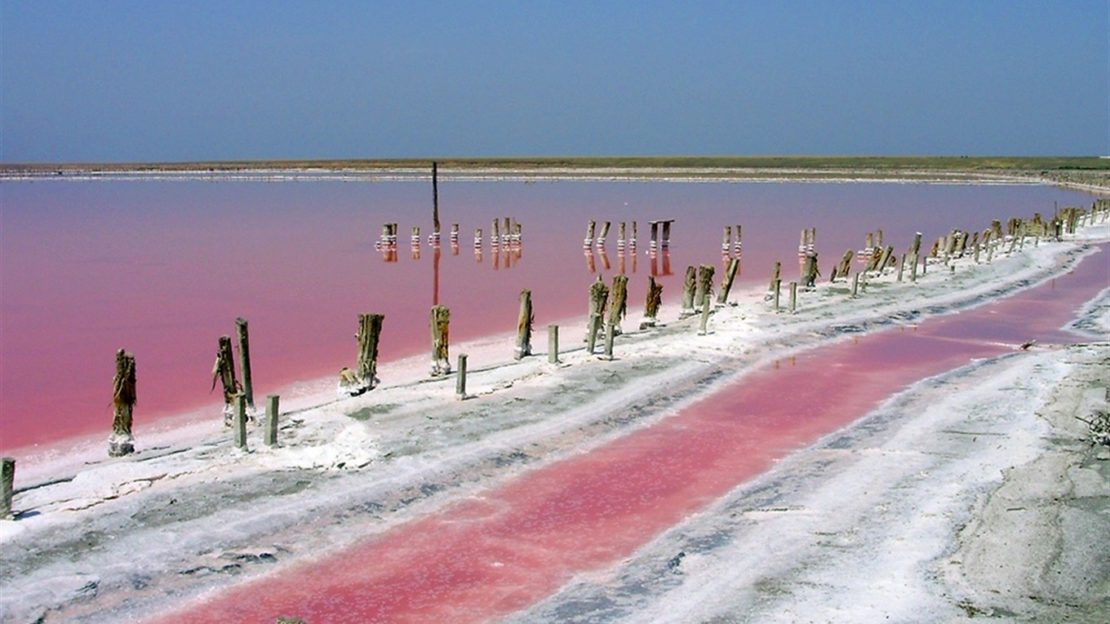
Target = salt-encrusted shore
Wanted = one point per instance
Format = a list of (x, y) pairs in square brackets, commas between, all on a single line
[(204, 515)]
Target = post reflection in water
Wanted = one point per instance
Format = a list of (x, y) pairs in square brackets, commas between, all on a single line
[(605, 259), (435, 274), (591, 265)]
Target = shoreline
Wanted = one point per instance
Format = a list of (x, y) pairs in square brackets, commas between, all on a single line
[(383, 449)]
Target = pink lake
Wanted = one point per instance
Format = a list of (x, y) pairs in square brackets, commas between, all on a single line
[(162, 268)]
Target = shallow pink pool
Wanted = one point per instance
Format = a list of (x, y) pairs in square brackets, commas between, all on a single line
[(481, 559), (162, 268)]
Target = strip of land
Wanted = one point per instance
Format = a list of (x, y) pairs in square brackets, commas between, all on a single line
[(1079, 172)]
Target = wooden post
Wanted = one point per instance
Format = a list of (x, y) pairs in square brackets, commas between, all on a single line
[(620, 236), (618, 302), (245, 359), (703, 327), (460, 377), (726, 240), (455, 233), (495, 233), (368, 336), (913, 269), (435, 200), (667, 233), (775, 275), (855, 284), (651, 304), (603, 234), (478, 240), (241, 421), (793, 297), (272, 414), (654, 235), (440, 320), (507, 231), (915, 248), (726, 284), (901, 266), (7, 486), (704, 288), (524, 326), (845, 266), (599, 295), (610, 332), (689, 284), (123, 401), (553, 344), (884, 259), (224, 372), (738, 245), (810, 272), (777, 288), (591, 332)]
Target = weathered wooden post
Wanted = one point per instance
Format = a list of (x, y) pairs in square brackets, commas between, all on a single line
[(620, 237), (884, 259), (667, 233), (775, 275), (434, 238), (599, 294), (7, 486), (793, 297), (440, 319), (415, 239), (524, 326), (365, 375), (241, 421), (802, 239), (495, 233), (915, 248), (777, 286), (901, 267), (913, 269), (651, 304), (460, 377), (703, 326), (855, 284), (454, 233), (603, 234), (478, 240), (591, 332), (553, 344), (689, 284), (123, 401), (726, 240), (272, 414), (654, 235), (726, 284), (245, 359), (811, 272), (618, 303), (224, 372), (704, 288), (507, 231), (737, 247), (610, 332), (632, 243), (845, 266)]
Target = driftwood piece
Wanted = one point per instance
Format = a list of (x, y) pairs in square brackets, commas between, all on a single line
[(224, 372), (726, 283), (689, 285), (439, 322), (123, 403), (524, 326)]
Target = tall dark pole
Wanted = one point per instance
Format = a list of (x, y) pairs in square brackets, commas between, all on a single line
[(435, 198)]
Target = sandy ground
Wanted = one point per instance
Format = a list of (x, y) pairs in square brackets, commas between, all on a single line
[(205, 515)]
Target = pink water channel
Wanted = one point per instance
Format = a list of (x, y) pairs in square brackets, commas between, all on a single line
[(162, 268), (509, 548)]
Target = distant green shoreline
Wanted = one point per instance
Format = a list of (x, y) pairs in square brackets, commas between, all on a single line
[(1088, 173)]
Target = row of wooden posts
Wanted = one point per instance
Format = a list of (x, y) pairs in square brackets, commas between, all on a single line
[(607, 308)]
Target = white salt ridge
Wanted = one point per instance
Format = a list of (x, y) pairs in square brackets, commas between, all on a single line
[(374, 472)]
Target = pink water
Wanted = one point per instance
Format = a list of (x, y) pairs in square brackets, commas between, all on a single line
[(480, 559), (163, 268)]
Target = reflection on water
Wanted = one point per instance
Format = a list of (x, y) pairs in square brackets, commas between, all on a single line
[(301, 261)]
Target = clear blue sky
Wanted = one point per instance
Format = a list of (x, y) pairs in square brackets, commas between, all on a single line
[(162, 80)]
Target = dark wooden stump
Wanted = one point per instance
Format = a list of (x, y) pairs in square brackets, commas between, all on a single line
[(123, 402)]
